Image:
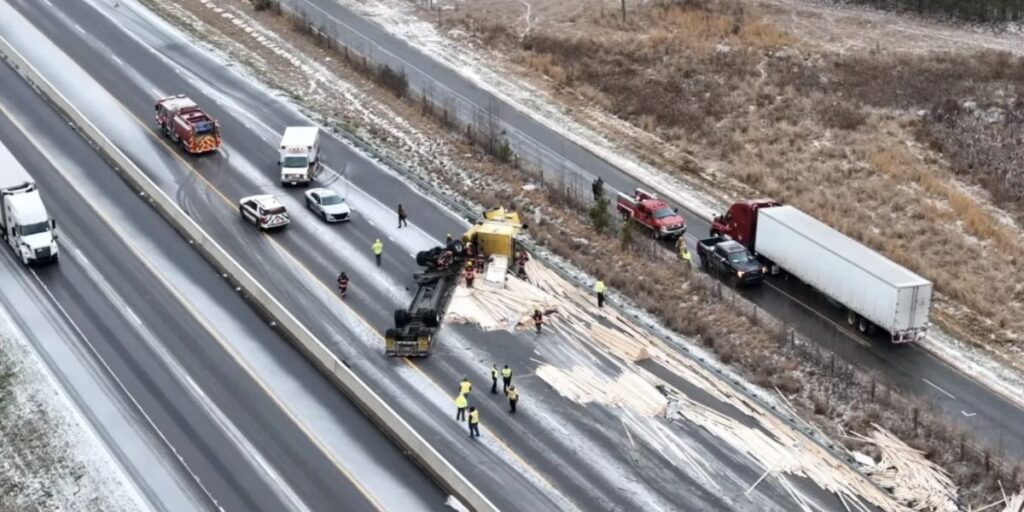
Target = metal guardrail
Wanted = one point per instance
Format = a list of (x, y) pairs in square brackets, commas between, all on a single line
[(386, 418)]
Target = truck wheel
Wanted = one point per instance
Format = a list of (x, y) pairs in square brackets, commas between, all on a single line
[(391, 334), (862, 326), (24, 260), (431, 318), (851, 318), (402, 318)]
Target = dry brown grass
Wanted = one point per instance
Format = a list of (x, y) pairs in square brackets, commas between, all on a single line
[(828, 133)]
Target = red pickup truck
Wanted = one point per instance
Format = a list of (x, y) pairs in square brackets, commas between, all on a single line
[(652, 213)]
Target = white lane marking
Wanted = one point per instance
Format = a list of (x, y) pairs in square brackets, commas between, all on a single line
[(848, 333), (138, 407), (943, 391), (413, 255), (116, 59), (79, 28), (48, 3), (390, 238), (157, 92), (968, 414)]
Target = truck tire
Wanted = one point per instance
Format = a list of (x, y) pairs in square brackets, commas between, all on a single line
[(391, 333), (851, 318), (862, 325), (402, 318), (456, 246), (431, 318), (428, 257)]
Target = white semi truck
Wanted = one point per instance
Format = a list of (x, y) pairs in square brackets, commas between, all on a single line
[(299, 156), (27, 227), (875, 291)]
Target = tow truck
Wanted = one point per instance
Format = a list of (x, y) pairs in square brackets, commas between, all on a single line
[(652, 213), (187, 125), (489, 244)]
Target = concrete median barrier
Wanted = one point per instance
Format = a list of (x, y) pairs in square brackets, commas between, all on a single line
[(334, 369)]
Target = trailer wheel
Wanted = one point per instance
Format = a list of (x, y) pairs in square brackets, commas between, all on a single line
[(402, 318), (851, 318), (862, 325)]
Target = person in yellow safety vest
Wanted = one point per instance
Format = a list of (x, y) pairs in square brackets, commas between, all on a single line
[(474, 422), (599, 289), (494, 379), (460, 407), (683, 251), (513, 398), (506, 375), (470, 274), (378, 249), (465, 386)]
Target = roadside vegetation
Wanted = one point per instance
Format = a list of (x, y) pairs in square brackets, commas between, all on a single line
[(469, 163), (918, 155)]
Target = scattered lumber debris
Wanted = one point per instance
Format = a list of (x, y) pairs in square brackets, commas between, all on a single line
[(913, 480)]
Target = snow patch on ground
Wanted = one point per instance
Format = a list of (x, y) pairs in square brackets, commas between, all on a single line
[(50, 459)]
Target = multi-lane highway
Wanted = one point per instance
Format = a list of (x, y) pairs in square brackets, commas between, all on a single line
[(255, 424), (997, 421), (555, 455)]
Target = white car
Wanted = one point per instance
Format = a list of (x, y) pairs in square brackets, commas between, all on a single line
[(330, 206), (264, 210)]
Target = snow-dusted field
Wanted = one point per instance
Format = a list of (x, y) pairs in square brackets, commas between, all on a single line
[(49, 457)]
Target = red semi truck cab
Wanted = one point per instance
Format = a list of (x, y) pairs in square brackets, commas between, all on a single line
[(740, 221), (186, 124), (652, 213)]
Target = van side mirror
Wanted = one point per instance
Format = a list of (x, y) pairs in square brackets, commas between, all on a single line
[(53, 224), (675, 210)]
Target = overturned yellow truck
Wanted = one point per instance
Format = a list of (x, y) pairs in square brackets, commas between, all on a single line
[(490, 245)]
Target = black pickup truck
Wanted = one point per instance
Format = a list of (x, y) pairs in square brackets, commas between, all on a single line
[(730, 261)]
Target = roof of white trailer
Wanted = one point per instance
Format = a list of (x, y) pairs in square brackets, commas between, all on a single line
[(853, 251)]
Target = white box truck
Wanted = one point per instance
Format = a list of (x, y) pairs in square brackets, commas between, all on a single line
[(299, 156), (26, 225), (876, 292)]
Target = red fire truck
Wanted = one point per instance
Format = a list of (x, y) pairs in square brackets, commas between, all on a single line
[(186, 124)]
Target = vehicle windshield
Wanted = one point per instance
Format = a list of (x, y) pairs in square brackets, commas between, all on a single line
[(740, 257), (32, 229), (331, 199), (663, 212), (204, 127), (296, 161)]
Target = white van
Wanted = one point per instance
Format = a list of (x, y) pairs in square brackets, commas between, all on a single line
[(26, 225), (299, 156)]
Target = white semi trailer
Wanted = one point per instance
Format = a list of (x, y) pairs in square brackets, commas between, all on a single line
[(875, 291), (26, 225)]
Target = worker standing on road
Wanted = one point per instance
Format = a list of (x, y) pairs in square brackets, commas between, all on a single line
[(470, 274), (513, 398), (343, 284), (402, 216), (465, 386), (599, 289), (378, 250), (538, 319), (506, 376), (494, 379), (460, 407), (448, 241), (474, 422)]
